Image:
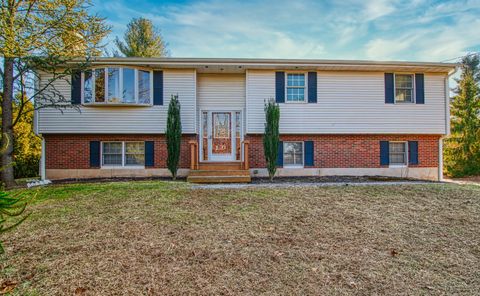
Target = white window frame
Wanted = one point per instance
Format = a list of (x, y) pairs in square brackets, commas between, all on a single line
[(395, 88), (303, 155), (120, 85), (305, 87), (405, 143), (124, 156)]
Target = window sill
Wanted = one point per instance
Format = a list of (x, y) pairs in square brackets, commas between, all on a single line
[(293, 167), (406, 103), (116, 105), (398, 166), (295, 102), (122, 167)]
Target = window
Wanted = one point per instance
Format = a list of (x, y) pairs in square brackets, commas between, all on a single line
[(123, 154), (114, 85), (404, 88), (117, 86), (87, 86), (112, 154), (99, 85), (398, 153), (293, 154), (134, 153), (296, 87)]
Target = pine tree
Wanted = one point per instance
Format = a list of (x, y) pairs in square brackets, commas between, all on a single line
[(142, 39), (462, 148), (174, 135), (271, 136)]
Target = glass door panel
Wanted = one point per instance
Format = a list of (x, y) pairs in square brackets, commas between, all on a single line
[(221, 133)]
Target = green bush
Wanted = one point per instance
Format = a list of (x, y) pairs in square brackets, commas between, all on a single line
[(26, 167)]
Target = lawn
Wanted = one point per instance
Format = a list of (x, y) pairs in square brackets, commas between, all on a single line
[(153, 238)]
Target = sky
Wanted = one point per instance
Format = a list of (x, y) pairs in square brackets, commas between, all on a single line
[(415, 30)]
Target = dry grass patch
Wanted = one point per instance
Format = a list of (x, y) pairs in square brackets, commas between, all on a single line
[(165, 238)]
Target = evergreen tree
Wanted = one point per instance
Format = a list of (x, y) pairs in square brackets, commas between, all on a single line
[(271, 136), (142, 39), (462, 148), (174, 135)]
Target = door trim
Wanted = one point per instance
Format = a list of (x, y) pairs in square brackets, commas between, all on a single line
[(209, 127)]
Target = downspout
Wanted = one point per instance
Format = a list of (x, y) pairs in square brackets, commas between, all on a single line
[(42, 161), (36, 128), (447, 123)]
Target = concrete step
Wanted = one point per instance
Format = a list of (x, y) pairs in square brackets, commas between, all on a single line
[(219, 179), (220, 166), (219, 173)]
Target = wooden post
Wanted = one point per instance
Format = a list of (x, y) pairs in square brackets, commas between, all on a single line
[(193, 154), (246, 164)]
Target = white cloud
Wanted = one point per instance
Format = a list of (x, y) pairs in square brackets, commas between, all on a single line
[(354, 29)]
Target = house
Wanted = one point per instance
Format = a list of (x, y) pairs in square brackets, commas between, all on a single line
[(337, 118)]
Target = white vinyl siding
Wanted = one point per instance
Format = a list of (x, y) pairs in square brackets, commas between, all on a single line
[(124, 119), (348, 103), (224, 92)]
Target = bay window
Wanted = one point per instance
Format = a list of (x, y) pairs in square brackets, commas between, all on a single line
[(117, 85)]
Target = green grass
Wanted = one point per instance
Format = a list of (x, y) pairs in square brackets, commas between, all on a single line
[(169, 238)]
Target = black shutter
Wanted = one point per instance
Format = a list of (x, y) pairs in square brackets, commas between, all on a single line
[(76, 85), (412, 152), (95, 154), (389, 88), (280, 154), (149, 154), (312, 87), (158, 87), (384, 153), (419, 89), (280, 87), (309, 153)]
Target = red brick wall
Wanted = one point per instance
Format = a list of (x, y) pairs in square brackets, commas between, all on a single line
[(72, 151), (350, 151), (331, 151)]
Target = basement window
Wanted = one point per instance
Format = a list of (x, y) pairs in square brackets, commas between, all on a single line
[(293, 154), (117, 86), (123, 154), (398, 153)]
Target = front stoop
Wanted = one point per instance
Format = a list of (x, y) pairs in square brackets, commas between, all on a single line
[(219, 173)]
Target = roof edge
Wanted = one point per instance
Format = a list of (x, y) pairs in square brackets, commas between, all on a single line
[(259, 61)]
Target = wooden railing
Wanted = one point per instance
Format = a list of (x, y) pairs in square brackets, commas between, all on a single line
[(245, 164), (193, 154)]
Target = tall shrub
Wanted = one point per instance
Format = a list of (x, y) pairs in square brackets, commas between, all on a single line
[(174, 135), (271, 136)]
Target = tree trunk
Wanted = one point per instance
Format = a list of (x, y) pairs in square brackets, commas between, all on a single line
[(7, 121)]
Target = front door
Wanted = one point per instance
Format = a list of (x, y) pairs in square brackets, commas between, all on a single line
[(221, 135)]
